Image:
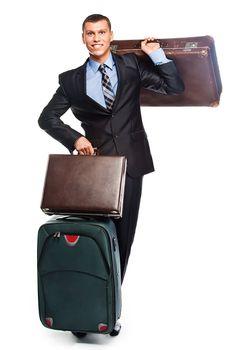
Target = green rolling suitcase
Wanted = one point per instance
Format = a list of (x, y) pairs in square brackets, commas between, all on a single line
[(79, 282)]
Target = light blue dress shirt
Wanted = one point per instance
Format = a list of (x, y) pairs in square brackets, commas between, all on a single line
[(94, 76)]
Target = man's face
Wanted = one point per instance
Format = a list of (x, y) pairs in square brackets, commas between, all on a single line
[(97, 37)]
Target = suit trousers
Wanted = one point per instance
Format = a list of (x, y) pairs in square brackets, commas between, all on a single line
[(126, 226)]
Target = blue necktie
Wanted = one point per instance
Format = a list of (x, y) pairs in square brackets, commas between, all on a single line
[(107, 88)]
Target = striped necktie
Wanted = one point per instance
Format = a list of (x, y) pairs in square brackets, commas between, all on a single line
[(107, 88)]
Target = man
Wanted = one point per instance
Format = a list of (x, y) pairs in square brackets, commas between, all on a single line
[(111, 118)]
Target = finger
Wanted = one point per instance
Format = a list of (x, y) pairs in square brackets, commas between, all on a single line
[(92, 151), (87, 151), (144, 42), (81, 153)]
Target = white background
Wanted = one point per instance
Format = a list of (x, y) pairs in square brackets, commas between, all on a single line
[(178, 290)]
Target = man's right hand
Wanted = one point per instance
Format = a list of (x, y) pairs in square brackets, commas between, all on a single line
[(83, 146)]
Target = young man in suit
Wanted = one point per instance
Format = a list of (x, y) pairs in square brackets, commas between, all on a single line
[(103, 94)]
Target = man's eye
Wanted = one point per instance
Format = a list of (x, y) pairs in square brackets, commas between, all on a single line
[(102, 33), (90, 34)]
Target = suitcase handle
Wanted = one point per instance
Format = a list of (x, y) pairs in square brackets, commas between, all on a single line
[(96, 152), (81, 218)]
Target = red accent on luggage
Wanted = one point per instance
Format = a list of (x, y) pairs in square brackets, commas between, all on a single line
[(71, 239), (102, 327), (49, 322)]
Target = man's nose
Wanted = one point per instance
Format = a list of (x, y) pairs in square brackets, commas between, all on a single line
[(96, 37)]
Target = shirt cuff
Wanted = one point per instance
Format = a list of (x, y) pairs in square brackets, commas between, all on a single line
[(158, 57)]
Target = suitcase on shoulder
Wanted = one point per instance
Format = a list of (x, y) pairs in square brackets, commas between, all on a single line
[(79, 283), (196, 61)]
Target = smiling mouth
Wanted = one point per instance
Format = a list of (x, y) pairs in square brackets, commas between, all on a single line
[(97, 45)]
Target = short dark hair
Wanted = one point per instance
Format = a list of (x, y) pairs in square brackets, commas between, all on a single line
[(96, 18)]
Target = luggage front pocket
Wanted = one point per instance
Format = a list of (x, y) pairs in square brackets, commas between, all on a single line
[(74, 301), (73, 279)]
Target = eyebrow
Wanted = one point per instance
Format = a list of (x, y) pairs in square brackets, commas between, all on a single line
[(100, 30)]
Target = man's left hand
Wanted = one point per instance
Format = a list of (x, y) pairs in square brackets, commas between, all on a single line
[(149, 45)]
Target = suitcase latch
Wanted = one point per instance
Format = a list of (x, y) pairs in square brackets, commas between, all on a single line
[(114, 48), (191, 45)]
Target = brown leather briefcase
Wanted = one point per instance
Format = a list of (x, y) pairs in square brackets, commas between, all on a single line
[(196, 61), (87, 185)]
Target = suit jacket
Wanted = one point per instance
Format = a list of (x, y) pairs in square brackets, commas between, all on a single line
[(121, 131)]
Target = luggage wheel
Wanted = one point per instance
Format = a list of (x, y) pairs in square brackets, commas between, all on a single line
[(79, 334)]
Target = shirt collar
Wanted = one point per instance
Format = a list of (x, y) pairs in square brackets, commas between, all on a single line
[(95, 65)]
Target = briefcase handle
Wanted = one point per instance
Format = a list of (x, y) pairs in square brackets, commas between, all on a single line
[(96, 152)]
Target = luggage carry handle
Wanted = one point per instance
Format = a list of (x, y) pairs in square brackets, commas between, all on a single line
[(96, 152), (79, 217)]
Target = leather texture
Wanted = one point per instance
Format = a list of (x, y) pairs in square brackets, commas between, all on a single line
[(119, 131), (196, 61), (79, 283), (88, 185)]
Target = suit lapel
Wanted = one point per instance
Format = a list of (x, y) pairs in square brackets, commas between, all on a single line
[(81, 81), (119, 69)]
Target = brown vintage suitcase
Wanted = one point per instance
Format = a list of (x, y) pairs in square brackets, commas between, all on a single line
[(196, 61), (87, 185)]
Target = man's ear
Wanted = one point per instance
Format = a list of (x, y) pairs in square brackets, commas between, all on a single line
[(112, 36), (84, 42)]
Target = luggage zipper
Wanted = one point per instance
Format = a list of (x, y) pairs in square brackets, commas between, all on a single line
[(57, 235)]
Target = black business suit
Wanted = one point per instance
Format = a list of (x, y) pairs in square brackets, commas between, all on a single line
[(119, 132)]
